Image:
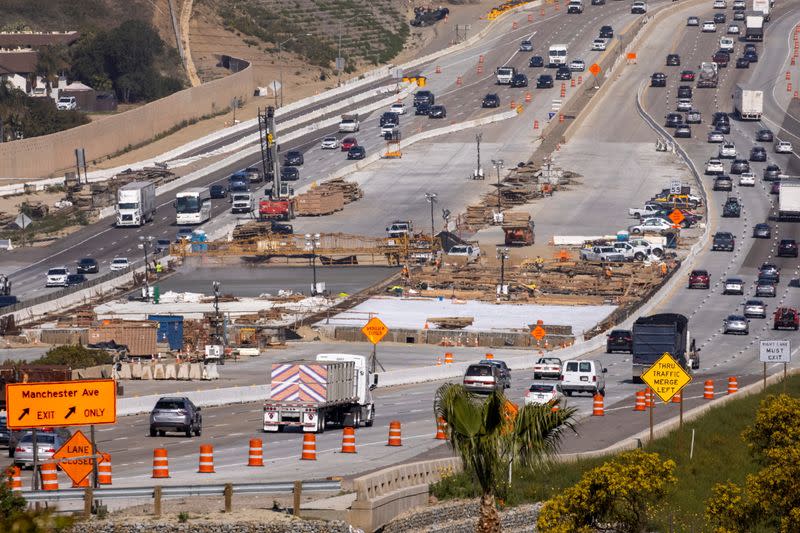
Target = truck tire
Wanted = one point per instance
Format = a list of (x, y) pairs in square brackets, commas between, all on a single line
[(638, 256)]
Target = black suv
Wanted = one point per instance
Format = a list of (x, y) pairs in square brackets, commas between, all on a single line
[(88, 265), (674, 120), (719, 18), (218, 191), (491, 100), (175, 414), (721, 58), (422, 108), (606, 32), (658, 79), (545, 81), (389, 117), (536, 61), (673, 60), (619, 340), (723, 240), (758, 153), (519, 80), (684, 91), (294, 158), (424, 97), (787, 248), (764, 136), (723, 183), (563, 73)]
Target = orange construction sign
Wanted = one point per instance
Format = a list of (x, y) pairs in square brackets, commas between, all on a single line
[(676, 217), (77, 446), (61, 403), (631, 56), (538, 333), (595, 69), (375, 330)]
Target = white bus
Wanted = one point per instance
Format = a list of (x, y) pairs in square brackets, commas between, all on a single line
[(192, 206), (557, 55)]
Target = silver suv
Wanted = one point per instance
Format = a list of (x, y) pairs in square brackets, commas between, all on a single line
[(175, 414)]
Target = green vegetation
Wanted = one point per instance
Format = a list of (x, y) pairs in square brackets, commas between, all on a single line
[(720, 456), (46, 226), (15, 517), (74, 357), (60, 15), (492, 435), (24, 116)]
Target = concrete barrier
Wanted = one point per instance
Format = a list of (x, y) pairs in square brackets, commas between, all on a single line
[(387, 493), (202, 398)]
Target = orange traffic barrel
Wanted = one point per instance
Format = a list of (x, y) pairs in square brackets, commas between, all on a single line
[(206, 465), (14, 476), (440, 425), (528, 96), (104, 469), (554, 408), (733, 385), (160, 463), (309, 447), (394, 434), (641, 401), (708, 389), (49, 476), (677, 398), (349, 440), (255, 457), (82, 483), (597, 405), (536, 124), (448, 358)]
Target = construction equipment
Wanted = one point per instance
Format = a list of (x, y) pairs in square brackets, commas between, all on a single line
[(518, 229), (278, 204)]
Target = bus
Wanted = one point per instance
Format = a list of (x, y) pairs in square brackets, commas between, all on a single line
[(192, 206), (557, 55)]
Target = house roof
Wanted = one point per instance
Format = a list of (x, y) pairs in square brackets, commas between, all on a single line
[(77, 86), (36, 39), (18, 61)]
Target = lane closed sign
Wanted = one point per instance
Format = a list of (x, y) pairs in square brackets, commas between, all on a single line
[(775, 352)]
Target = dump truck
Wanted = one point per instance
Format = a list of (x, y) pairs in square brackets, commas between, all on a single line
[(518, 229), (136, 203), (748, 103), (662, 333), (708, 76), (754, 26), (789, 200), (330, 389)]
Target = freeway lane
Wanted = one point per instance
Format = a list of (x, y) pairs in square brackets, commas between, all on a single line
[(104, 242)]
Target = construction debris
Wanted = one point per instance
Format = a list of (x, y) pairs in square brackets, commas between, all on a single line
[(327, 198), (451, 322)]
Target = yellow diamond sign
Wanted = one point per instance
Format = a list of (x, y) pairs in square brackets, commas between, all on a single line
[(375, 330), (666, 377)]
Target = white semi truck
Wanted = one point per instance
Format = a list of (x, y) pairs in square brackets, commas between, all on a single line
[(329, 389), (754, 26), (763, 6), (789, 200), (748, 103), (136, 203)]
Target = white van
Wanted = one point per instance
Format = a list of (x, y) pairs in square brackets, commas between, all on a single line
[(557, 55), (726, 43), (583, 376)]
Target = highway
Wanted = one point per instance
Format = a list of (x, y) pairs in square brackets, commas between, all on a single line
[(104, 242), (229, 427)]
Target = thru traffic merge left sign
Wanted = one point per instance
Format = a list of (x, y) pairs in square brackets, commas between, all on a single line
[(666, 377), (61, 403), (375, 330), (74, 457)]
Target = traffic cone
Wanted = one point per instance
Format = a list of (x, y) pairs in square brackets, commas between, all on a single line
[(104, 469), (438, 361), (530, 17), (572, 82), (206, 459), (458, 80), (528, 96), (677, 398), (394, 434), (440, 425), (14, 476), (160, 463), (448, 358), (309, 447), (788, 75), (560, 117), (514, 25), (438, 69), (513, 104), (597, 405), (49, 476), (733, 385), (536, 124), (255, 456), (641, 401), (349, 440), (480, 59), (554, 408), (708, 389)]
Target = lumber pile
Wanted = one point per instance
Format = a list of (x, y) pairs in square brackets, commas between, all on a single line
[(251, 230), (350, 190), (451, 322), (478, 216), (319, 201), (515, 219)]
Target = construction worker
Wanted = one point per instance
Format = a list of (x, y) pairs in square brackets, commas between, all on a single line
[(664, 269), (159, 268), (538, 263)]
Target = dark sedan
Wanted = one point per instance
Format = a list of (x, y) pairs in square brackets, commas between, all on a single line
[(762, 231), (88, 265), (683, 132), (787, 248), (293, 158), (75, 279), (422, 109), (491, 100), (218, 191), (619, 340), (764, 135), (536, 61), (742, 62), (545, 81), (356, 152), (437, 111), (673, 60), (739, 166), (563, 73), (519, 80), (658, 79), (290, 174)]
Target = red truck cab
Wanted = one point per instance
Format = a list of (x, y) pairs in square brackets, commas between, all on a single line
[(786, 318)]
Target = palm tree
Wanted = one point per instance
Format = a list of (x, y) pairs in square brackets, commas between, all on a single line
[(493, 434)]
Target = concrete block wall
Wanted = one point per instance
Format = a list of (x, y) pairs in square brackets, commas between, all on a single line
[(461, 517)]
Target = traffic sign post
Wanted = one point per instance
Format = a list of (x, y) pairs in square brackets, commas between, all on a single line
[(76, 457), (61, 403), (538, 333), (375, 330), (666, 378), (775, 351)]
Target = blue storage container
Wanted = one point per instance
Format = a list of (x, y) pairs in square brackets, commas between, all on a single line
[(170, 330)]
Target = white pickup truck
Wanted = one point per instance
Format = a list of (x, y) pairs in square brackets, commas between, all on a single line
[(472, 253), (547, 367), (602, 253), (647, 210), (638, 249)]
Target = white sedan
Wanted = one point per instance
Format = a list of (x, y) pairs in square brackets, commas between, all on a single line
[(119, 263), (727, 150), (330, 143), (714, 166), (709, 26), (388, 128), (541, 393), (599, 44), (747, 179), (651, 225), (733, 29), (783, 147), (398, 107), (577, 65)]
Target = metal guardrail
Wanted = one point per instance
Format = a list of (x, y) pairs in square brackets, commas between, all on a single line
[(177, 491)]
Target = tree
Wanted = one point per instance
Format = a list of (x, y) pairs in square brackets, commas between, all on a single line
[(15, 517), (620, 495), (492, 435), (74, 356), (50, 63)]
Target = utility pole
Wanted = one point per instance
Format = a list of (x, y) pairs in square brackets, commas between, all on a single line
[(431, 198), (312, 241), (502, 255), (217, 321), (498, 164)]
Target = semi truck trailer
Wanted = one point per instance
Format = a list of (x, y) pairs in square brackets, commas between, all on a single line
[(655, 335), (748, 103), (136, 203)]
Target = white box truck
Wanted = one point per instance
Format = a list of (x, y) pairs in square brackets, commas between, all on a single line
[(332, 388), (748, 103), (789, 200), (136, 203), (754, 26), (762, 6)]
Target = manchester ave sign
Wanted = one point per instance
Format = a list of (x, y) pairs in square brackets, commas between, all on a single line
[(61, 403)]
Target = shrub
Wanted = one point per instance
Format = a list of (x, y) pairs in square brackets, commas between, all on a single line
[(74, 357)]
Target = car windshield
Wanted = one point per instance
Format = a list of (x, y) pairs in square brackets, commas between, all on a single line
[(479, 370), (549, 361), (169, 404), (187, 204), (41, 438), (56, 272), (542, 387), (128, 205), (120, 261)]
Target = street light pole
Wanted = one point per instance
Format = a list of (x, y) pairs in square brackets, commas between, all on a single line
[(431, 198), (502, 255), (313, 241), (498, 164), (217, 321)]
